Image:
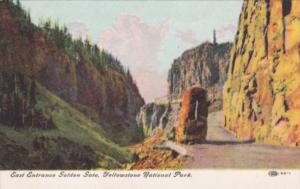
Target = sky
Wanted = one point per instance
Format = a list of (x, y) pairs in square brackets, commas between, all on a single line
[(146, 36)]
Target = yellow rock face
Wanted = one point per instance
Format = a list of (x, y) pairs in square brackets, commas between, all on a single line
[(262, 93)]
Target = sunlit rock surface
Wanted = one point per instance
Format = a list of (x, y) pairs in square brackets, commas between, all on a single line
[(261, 96)]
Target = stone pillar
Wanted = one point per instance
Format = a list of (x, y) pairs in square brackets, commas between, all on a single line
[(192, 126), (214, 37)]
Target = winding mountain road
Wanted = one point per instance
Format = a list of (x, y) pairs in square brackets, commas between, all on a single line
[(223, 150)]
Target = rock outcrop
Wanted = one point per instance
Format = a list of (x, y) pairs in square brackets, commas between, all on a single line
[(155, 117), (64, 103), (205, 65), (261, 96), (91, 80), (192, 127)]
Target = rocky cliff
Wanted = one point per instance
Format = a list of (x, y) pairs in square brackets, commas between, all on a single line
[(261, 96), (155, 117), (91, 80), (63, 102), (205, 65)]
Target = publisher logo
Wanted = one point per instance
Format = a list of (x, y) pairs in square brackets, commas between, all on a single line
[(273, 173)]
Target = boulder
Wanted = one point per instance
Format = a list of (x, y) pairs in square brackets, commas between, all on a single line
[(192, 126)]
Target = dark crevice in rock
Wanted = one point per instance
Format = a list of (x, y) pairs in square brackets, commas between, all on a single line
[(249, 59), (281, 120), (266, 43), (233, 63), (286, 106), (252, 116), (245, 34), (286, 9)]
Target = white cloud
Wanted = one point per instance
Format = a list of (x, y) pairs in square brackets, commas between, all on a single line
[(138, 45)]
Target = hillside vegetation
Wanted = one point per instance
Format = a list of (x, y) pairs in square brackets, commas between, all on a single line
[(62, 101)]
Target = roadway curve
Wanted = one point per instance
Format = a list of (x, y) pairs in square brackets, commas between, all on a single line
[(223, 150)]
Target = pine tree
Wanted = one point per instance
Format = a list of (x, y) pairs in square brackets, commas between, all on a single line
[(18, 4), (60, 37)]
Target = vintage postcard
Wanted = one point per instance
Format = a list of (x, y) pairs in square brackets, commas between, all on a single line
[(162, 93)]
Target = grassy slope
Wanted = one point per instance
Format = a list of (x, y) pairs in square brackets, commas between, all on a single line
[(74, 126)]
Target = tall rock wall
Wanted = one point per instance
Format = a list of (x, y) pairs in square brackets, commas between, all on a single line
[(205, 65), (107, 96), (261, 95)]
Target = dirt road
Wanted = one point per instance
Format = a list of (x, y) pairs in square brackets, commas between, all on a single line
[(223, 150)]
